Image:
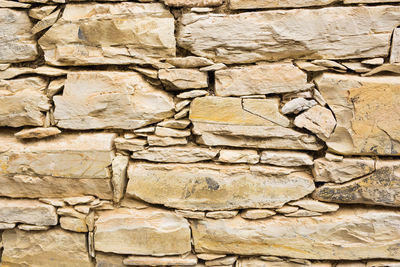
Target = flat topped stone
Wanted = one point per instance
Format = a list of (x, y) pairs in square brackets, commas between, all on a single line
[(253, 4)]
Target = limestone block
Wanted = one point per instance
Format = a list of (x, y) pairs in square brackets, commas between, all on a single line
[(182, 79), (253, 4)]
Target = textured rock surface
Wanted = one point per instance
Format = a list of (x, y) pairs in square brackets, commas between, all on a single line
[(286, 158), (253, 4), (347, 234), (54, 247), (318, 120), (274, 35), (94, 100), (213, 187), (144, 232), (118, 33), (181, 79)]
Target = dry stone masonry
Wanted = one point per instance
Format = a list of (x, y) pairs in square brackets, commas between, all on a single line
[(225, 133)]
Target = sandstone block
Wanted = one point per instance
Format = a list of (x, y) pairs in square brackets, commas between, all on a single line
[(39, 132), (286, 158), (182, 79), (193, 3), (239, 156), (318, 120), (189, 260), (253, 4)]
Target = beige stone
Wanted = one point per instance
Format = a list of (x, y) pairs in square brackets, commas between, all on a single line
[(119, 180), (343, 235), (342, 170), (5, 226), (318, 120), (73, 224), (154, 140), (350, 264), (56, 202), (274, 78), (314, 205), (130, 144), (214, 67), (39, 132), (206, 186), (46, 22), (255, 214), (183, 79), (188, 260), (70, 212), (198, 215), (303, 213), (239, 156), (192, 94), (395, 49), (175, 124), (366, 113), (189, 62), (181, 114), (253, 4), (357, 67), (17, 43), (223, 214), (142, 232), (287, 209), (374, 61), (286, 158), (383, 263), (275, 35), (394, 68), (254, 123), (177, 154), (168, 132), (27, 211), (12, 4), (368, 1), (27, 227), (109, 260), (54, 247), (41, 12), (308, 66), (192, 3), (257, 262), (228, 261), (43, 70), (97, 99), (379, 188), (333, 65), (182, 104), (298, 105), (79, 200), (23, 101), (97, 35)]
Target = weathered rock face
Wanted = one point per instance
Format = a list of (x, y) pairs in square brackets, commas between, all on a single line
[(255, 123), (181, 79), (95, 100), (144, 232), (252, 4), (118, 33), (382, 187), (213, 187), (23, 102), (17, 43), (54, 247), (347, 234), (274, 35), (366, 112)]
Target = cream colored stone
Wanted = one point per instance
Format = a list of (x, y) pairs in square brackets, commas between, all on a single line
[(286, 158), (308, 66), (97, 99), (192, 3), (181, 104), (133, 203), (209, 257), (228, 261), (94, 34), (192, 94), (239, 156), (109, 260), (206, 186), (383, 263), (27, 211), (314, 205), (214, 67), (394, 68), (46, 22), (183, 79), (366, 113), (39, 132), (41, 12), (254, 123), (357, 67), (350, 264), (374, 61), (56, 202), (274, 78), (254, 4), (154, 140), (17, 43), (119, 180), (79, 200), (168, 132), (54, 247), (142, 232), (198, 215), (177, 154), (23, 101), (85, 209), (5, 226), (318, 120), (146, 130), (223, 214), (329, 64), (257, 262), (188, 260), (343, 235), (13, 4), (298, 105), (255, 214), (275, 35), (27, 227), (189, 62), (130, 144), (73, 224), (368, 1), (303, 213), (395, 49), (43, 70), (70, 212), (4, 66), (287, 209), (175, 124), (181, 114)]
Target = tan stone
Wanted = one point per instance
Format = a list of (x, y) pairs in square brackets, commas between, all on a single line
[(395, 49), (12, 4), (224, 214), (168, 132), (5, 226), (177, 154), (130, 144), (228, 261), (142, 232), (373, 61), (175, 124), (23, 101), (308, 66), (214, 67), (303, 213), (357, 67), (255, 214), (368, 1), (275, 35), (46, 22), (54, 247), (41, 12), (56, 202), (27, 211), (183, 79), (257, 262), (39, 132), (383, 263), (70, 212), (27, 227), (239, 156), (286, 158), (189, 62), (205, 186), (17, 43), (43, 70), (287, 209), (79, 200), (366, 113), (345, 234), (97, 35), (394, 68), (318, 120), (298, 105), (73, 224), (253, 4), (192, 94), (260, 79), (154, 140), (350, 264), (109, 260), (314, 205), (188, 260), (192, 3), (198, 215), (97, 99), (119, 180)]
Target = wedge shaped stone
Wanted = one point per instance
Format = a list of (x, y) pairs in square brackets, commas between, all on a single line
[(111, 33), (298, 33), (142, 232), (348, 234), (205, 186), (97, 100)]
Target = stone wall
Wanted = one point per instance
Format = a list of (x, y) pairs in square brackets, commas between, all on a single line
[(247, 133)]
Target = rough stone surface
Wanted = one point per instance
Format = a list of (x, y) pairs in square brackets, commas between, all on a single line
[(54, 247), (298, 105), (314, 205), (118, 180), (189, 260), (274, 35), (182, 79), (213, 187), (347, 234), (144, 232), (39, 132), (95, 100), (395, 51), (193, 3), (286, 158), (73, 224), (117, 33), (318, 120), (239, 156), (253, 4)]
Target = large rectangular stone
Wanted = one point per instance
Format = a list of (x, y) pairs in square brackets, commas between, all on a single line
[(328, 33), (111, 33), (348, 234), (216, 187)]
